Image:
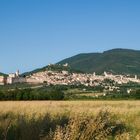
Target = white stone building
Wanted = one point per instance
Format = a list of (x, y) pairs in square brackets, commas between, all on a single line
[(15, 78), (2, 80)]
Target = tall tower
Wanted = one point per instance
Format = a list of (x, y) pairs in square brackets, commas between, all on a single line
[(105, 74), (136, 77), (17, 73)]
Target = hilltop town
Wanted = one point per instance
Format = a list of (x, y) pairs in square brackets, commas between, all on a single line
[(67, 78)]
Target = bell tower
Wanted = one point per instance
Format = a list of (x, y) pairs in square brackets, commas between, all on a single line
[(17, 73)]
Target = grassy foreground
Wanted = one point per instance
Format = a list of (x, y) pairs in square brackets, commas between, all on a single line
[(70, 120)]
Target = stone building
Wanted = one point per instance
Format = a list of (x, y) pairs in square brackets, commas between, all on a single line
[(2, 80), (15, 78)]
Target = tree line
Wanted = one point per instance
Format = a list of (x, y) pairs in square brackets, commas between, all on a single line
[(32, 94)]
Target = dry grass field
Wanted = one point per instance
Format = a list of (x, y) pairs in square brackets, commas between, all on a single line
[(70, 120)]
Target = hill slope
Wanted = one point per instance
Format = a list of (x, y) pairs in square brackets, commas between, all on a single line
[(2, 74), (57, 68), (121, 61)]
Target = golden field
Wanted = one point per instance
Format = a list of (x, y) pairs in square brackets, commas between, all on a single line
[(122, 108), (125, 112)]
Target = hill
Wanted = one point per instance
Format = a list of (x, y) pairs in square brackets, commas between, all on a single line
[(120, 61), (2, 74), (56, 67)]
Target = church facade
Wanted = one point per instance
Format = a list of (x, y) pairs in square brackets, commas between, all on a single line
[(12, 78)]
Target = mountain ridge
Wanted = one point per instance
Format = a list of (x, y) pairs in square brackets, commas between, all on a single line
[(121, 61), (117, 61)]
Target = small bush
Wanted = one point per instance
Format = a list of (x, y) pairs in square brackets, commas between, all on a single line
[(88, 128)]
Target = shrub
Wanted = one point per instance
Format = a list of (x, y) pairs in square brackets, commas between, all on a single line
[(88, 128), (60, 127)]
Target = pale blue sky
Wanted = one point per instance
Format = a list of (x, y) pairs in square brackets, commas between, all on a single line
[(34, 33)]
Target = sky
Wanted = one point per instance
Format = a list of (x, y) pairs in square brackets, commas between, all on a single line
[(34, 33)]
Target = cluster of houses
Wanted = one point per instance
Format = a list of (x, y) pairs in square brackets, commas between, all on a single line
[(66, 78)]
